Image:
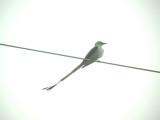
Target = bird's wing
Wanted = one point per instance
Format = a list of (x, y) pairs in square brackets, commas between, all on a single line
[(89, 56), (91, 52)]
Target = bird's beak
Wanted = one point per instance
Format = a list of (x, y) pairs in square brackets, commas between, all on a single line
[(104, 43)]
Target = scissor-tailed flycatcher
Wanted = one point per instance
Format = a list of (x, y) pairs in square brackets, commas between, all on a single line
[(94, 54)]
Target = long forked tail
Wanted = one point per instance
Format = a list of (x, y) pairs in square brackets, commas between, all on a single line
[(50, 87)]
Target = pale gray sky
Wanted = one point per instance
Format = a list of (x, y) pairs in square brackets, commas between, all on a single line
[(105, 92)]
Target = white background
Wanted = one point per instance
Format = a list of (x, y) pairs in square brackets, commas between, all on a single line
[(100, 91)]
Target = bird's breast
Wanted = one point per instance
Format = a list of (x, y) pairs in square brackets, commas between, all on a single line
[(100, 52)]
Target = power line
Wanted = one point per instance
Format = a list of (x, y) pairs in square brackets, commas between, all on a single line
[(79, 58)]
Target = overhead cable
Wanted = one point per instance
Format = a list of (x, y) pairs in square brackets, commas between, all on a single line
[(149, 70)]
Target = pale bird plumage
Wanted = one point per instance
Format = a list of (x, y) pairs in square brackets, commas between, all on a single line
[(94, 54)]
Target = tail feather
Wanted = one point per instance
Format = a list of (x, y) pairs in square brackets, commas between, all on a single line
[(50, 87)]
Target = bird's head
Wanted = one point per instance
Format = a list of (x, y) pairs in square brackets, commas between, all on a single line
[(99, 43)]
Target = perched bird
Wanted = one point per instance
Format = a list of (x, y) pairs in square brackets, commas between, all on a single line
[(94, 54)]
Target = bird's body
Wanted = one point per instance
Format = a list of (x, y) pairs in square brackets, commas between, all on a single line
[(94, 54)]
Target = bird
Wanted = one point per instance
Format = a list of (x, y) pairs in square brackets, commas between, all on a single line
[(93, 55)]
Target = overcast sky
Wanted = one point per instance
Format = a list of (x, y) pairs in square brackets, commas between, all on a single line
[(71, 27)]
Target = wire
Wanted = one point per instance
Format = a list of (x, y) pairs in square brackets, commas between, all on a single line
[(149, 70)]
